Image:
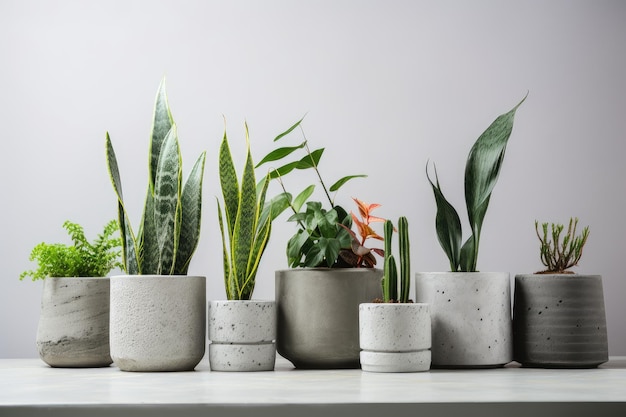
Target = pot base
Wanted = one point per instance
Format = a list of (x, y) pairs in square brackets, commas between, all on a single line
[(395, 361), (242, 357)]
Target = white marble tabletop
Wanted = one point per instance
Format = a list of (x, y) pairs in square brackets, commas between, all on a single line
[(28, 386)]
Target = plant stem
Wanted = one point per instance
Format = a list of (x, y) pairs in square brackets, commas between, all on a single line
[(306, 145)]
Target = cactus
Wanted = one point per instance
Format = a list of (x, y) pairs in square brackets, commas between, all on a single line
[(390, 276), (560, 255)]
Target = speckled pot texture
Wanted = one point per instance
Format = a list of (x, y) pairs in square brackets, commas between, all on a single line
[(559, 321), (318, 314), (242, 335), (158, 322), (395, 337), (73, 329), (471, 317)]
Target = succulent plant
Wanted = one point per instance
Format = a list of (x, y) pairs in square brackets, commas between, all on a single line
[(560, 254), (390, 273), (170, 226), (481, 174), (247, 224)]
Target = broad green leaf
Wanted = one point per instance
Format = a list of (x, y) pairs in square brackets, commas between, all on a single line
[(303, 197), (314, 257), (230, 186), (276, 206), (167, 200), (337, 185), (448, 225), (467, 255), (329, 248), (482, 170), (191, 216), (280, 153), (288, 131), (295, 244), (283, 170), (162, 122), (310, 161)]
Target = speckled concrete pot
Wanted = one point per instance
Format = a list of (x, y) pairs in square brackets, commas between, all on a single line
[(395, 337), (471, 317), (318, 314), (559, 321), (242, 335), (158, 322), (73, 329)]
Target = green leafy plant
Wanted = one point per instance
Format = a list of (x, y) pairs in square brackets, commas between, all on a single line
[(390, 275), (82, 259), (170, 226), (248, 226), (323, 237), (557, 254), (481, 174)]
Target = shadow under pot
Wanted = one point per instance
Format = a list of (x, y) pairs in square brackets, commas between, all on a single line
[(158, 322), (73, 329), (318, 314), (559, 321)]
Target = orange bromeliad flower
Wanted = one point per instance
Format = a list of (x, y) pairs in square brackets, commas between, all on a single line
[(362, 255)]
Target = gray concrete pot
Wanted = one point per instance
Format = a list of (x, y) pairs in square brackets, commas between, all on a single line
[(242, 335), (471, 317), (395, 337), (73, 329), (559, 321), (318, 314), (158, 322)]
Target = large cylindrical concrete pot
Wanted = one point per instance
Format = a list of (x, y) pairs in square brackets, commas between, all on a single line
[(158, 322), (242, 335), (471, 317), (559, 321), (73, 329), (318, 314), (395, 337)]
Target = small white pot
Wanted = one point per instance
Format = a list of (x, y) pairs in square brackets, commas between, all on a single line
[(471, 317), (73, 329), (158, 322), (242, 335), (395, 337)]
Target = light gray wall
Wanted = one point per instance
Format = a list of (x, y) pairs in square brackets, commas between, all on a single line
[(387, 86)]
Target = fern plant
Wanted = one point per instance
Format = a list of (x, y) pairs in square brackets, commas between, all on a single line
[(481, 174), (169, 230), (390, 272), (82, 259), (244, 224), (557, 254)]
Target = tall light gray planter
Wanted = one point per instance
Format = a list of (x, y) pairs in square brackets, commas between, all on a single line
[(471, 317), (158, 322), (318, 314), (559, 321), (395, 337), (73, 329), (242, 335)]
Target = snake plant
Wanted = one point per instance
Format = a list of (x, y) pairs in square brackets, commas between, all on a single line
[(244, 224), (481, 174), (390, 272), (170, 225)]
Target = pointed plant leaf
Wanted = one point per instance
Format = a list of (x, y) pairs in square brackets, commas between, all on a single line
[(147, 236), (191, 216), (162, 122), (225, 257), (284, 170), (167, 200), (447, 224), (303, 197), (229, 184), (280, 153), (337, 185), (288, 131), (310, 161)]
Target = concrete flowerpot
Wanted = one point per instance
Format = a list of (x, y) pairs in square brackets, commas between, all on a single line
[(157, 322), (471, 317), (395, 337), (559, 321), (242, 335), (73, 329), (318, 314)]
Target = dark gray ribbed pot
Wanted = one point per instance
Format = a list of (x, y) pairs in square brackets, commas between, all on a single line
[(559, 321), (318, 314)]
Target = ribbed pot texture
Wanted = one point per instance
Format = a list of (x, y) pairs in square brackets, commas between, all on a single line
[(559, 321)]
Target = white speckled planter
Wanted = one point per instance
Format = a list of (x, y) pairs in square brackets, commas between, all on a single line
[(559, 321), (471, 317), (73, 330), (394, 337), (158, 322), (242, 335)]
